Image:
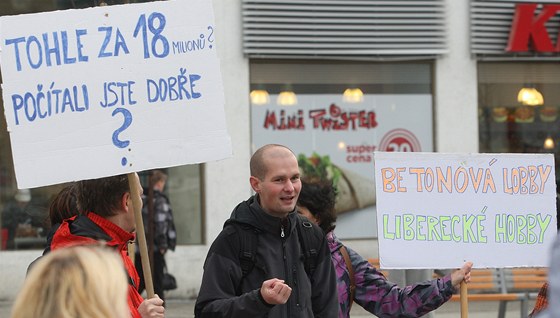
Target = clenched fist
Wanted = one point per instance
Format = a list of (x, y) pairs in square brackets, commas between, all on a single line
[(275, 292)]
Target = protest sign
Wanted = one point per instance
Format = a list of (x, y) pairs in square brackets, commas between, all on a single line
[(110, 90), (438, 210)]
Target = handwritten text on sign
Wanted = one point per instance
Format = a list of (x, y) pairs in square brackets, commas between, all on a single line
[(112, 89), (465, 207)]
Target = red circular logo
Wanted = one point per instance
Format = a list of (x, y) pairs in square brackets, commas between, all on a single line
[(399, 140)]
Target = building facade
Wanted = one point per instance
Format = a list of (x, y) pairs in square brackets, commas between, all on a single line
[(448, 73)]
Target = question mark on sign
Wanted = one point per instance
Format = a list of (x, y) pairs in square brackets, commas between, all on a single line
[(127, 121), (210, 35)]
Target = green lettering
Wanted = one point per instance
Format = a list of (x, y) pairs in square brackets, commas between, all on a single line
[(419, 233), (407, 227), (386, 234), (444, 236), (455, 220), (433, 234), (468, 233), (521, 225), (543, 224), (398, 227), (510, 228), (479, 220), (500, 228), (531, 224)]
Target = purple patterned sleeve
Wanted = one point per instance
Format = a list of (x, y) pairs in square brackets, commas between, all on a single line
[(378, 295)]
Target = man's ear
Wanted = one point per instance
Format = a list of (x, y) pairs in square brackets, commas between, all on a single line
[(255, 183), (126, 201)]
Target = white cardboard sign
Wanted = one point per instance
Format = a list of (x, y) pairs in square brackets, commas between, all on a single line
[(438, 210), (109, 90)]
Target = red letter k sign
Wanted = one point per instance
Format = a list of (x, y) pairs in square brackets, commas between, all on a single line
[(526, 26)]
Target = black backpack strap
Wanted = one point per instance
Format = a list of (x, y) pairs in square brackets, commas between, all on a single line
[(310, 244), (248, 240), (248, 249)]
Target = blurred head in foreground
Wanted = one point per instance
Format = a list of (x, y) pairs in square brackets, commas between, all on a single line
[(75, 282)]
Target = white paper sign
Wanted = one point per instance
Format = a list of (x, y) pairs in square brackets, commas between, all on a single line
[(438, 210), (109, 90)]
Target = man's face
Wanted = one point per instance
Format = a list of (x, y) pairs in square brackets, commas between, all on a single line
[(279, 189)]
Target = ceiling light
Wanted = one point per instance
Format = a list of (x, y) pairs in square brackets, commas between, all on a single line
[(548, 143), (530, 96), (287, 98), (353, 95), (259, 97)]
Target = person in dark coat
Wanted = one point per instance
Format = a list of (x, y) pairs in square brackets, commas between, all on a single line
[(278, 286), (159, 226)]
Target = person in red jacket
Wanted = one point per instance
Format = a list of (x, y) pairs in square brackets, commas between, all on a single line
[(106, 214)]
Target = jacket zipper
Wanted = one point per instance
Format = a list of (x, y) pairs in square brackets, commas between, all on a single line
[(295, 287), (286, 268)]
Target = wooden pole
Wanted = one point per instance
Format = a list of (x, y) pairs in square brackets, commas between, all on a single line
[(140, 235), (150, 234), (464, 300)]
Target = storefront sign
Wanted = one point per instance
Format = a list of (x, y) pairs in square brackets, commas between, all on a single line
[(458, 207), (110, 90), (528, 27), (340, 138)]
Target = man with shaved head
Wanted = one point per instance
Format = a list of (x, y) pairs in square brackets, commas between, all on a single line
[(277, 283)]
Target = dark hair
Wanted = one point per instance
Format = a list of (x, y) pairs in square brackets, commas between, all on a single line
[(101, 196), (64, 205), (157, 176), (319, 196)]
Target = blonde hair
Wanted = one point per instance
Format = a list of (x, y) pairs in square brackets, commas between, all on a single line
[(75, 282)]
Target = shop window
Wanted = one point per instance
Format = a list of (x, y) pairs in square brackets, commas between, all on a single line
[(24, 216), (334, 115), (514, 123), (183, 188), (24, 220)]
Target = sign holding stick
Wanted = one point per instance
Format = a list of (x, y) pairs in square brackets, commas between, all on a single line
[(464, 300), (141, 237)]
